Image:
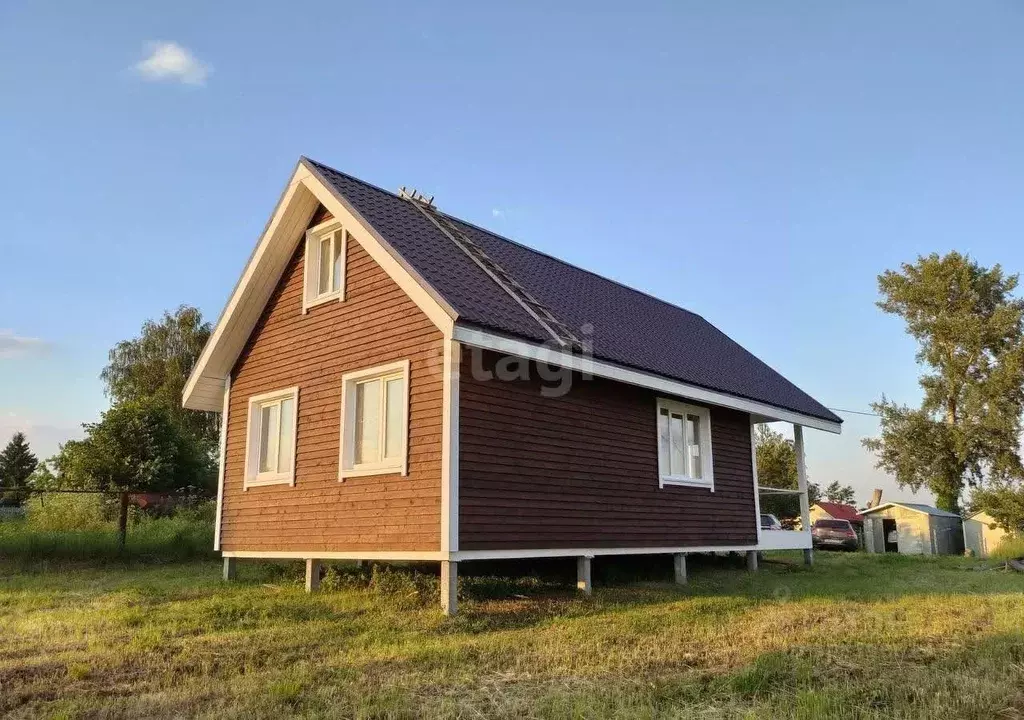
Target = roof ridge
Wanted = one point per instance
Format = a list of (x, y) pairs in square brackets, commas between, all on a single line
[(514, 242)]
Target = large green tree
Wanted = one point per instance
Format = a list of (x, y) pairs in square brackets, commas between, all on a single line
[(155, 367), (16, 465), (137, 445), (970, 333), (776, 468)]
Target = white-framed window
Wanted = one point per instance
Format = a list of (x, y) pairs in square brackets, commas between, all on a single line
[(270, 439), (326, 245), (684, 445), (375, 421)]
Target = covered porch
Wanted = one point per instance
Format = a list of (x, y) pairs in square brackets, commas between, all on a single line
[(772, 539)]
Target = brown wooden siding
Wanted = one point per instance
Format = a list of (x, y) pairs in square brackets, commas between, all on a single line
[(582, 470), (377, 323)]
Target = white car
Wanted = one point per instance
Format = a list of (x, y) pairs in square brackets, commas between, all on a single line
[(770, 522)]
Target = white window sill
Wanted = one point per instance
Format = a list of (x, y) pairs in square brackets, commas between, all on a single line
[(372, 470), (269, 479), (322, 299), (686, 482)]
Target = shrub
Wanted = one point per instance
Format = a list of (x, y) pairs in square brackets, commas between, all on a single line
[(67, 512), (73, 527)]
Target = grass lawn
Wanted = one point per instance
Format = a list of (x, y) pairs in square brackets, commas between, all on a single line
[(854, 636)]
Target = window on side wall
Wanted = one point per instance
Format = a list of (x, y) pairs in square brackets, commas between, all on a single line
[(270, 446), (326, 246), (684, 445), (375, 421)]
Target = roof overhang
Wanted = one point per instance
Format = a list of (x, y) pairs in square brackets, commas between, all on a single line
[(761, 412), (305, 191)]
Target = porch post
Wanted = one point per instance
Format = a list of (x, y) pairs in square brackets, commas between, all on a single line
[(230, 569), (801, 477)]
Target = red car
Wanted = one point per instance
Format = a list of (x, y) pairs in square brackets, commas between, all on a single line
[(834, 535)]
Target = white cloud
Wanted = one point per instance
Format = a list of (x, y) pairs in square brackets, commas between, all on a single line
[(171, 61), (497, 212), (12, 345)]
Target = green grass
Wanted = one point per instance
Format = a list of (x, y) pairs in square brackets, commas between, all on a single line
[(854, 636)]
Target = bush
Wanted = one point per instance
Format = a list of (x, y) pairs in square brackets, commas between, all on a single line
[(67, 512), (1010, 547)]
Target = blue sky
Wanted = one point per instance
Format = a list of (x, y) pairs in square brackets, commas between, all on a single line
[(758, 163)]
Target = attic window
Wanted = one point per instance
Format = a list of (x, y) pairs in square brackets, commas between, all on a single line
[(684, 445), (326, 245)]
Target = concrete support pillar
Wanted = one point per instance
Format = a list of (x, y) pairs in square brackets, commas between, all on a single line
[(312, 575), (679, 561), (583, 575), (230, 569), (449, 587), (808, 556), (752, 560)]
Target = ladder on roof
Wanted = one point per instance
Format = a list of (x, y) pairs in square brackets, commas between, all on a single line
[(559, 331)]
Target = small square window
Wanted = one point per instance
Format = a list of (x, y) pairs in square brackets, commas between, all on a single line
[(325, 264), (270, 445), (684, 444), (375, 421)]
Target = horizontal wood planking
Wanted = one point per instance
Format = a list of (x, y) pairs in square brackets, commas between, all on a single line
[(581, 470), (376, 324)]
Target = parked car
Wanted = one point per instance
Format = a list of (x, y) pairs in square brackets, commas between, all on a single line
[(770, 522), (834, 535)]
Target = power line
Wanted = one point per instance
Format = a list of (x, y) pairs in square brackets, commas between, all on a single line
[(854, 412)]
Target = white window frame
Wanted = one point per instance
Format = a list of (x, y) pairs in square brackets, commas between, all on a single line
[(665, 477), (346, 454), (254, 478), (311, 295)]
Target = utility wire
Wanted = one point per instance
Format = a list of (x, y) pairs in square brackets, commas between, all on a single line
[(854, 412)]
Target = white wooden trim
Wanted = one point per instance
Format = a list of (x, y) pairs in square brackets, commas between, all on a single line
[(450, 448), (753, 468), (311, 267), (785, 540), (263, 271), (252, 477), (293, 210), (220, 464), (419, 290), (540, 353), (707, 464), (342, 555), (346, 444)]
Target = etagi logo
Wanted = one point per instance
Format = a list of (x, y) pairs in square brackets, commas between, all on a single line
[(556, 368)]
